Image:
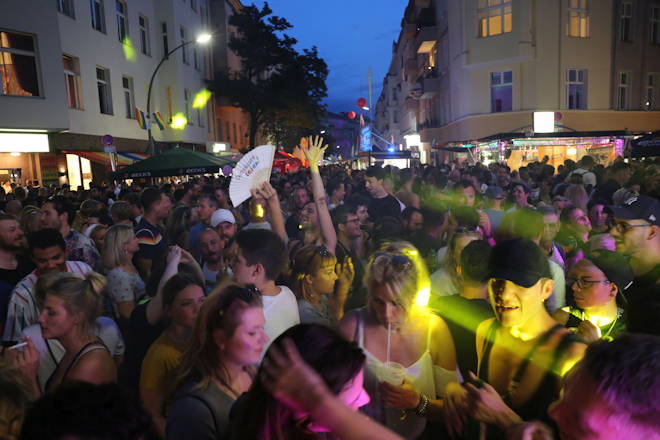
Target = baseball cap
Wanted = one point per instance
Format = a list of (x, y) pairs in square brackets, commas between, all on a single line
[(638, 208), (494, 192), (615, 267), (222, 215), (520, 261)]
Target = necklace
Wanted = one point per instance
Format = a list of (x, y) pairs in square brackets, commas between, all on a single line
[(606, 336), (229, 388)]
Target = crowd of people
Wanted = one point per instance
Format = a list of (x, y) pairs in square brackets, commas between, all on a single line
[(453, 301)]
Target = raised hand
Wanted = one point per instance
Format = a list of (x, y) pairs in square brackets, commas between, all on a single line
[(315, 152), (345, 271)]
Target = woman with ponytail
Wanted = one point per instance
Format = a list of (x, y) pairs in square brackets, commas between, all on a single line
[(68, 314)]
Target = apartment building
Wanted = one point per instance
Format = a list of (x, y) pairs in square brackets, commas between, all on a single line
[(473, 72), (75, 70), (232, 123)]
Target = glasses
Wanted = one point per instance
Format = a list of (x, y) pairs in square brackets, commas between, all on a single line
[(622, 228), (581, 283), (355, 220), (399, 262), (463, 230)]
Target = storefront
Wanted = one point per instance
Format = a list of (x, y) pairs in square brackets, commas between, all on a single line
[(20, 155), (520, 149)]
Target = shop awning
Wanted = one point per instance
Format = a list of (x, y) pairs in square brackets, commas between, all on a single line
[(104, 158)]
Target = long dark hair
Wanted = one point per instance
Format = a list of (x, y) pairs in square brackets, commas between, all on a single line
[(261, 416)]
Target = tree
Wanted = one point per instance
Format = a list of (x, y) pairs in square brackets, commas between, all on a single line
[(279, 88)]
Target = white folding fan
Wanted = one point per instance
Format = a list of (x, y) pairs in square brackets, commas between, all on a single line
[(250, 173)]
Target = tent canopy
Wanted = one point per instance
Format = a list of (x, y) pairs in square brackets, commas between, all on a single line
[(175, 162)]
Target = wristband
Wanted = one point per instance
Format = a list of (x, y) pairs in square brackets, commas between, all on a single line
[(423, 406)]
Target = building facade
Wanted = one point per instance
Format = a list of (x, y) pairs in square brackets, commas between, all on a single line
[(85, 68), (465, 70)]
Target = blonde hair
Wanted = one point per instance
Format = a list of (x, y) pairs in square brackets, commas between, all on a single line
[(80, 295), (400, 268), (113, 253)]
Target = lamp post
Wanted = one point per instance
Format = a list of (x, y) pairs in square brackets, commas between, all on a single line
[(201, 39)]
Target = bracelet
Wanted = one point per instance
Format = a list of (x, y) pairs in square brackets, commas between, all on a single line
[(423, 406)]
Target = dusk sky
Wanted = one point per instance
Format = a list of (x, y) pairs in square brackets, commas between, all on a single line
[(350, 36)]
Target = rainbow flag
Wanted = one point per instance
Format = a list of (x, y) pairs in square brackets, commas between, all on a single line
[(159, 120), (139, 115)]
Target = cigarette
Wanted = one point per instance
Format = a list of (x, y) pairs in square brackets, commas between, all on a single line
[(17, 346)]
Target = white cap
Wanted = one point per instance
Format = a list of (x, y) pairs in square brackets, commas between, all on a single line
[(222, 215)]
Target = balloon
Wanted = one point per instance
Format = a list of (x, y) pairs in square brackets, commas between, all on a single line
[(362, 102), (351, 115)]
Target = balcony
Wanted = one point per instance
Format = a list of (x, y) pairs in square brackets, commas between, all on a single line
[(426, 39), (428, 84)]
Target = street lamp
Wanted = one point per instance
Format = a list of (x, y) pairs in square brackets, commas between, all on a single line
[(202, 38)]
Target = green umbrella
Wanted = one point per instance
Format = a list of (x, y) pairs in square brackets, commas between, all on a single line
[(175, 162)]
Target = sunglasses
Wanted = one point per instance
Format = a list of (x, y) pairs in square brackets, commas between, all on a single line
[(246, 294), (323, 251), (399, 262)]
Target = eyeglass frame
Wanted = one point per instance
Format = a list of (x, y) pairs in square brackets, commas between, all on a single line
[(623, 227), (582, 283), (402, 261)]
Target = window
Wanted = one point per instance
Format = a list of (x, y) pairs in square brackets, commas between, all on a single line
[(501, 91), (129, 100), (98, 19), (184, 50), (624, 87), (494, 17), (66, 7), (625, 28), (193, 5), (578, 19), (103, 86), (72, 81), (194, 56), (227, 131), (199, 116), (655, 24), (122, 21), (145, 47), (576, 89), (18, 65), (651, 91), (186, 104), (166, 49)]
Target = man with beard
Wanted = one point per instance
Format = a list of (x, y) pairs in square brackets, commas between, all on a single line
[(57, 213), (48, 252), (13, 266), (213, 267), (224, 223), (636, 233), (206, 206), (299, 199)]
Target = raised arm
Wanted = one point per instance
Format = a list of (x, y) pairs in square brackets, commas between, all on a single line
[(155, 306), (268, 193), (314, 155)]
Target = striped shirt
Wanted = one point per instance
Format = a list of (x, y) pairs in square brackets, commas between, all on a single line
[(22, 310)]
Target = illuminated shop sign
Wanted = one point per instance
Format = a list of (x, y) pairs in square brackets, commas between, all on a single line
[(23, 143)]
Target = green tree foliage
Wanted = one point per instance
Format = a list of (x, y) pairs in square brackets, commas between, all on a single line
[(279, 88)]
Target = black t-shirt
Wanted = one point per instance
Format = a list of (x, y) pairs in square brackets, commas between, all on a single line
[(386, 207), (643, 311), (140, 336), (8, 279), (153, 246), (463, 316), (357, 295)]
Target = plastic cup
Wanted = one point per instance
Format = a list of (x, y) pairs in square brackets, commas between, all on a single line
[(393, 373)]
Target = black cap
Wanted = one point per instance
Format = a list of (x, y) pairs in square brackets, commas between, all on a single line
[(520, 261), (638, 208), (615, 267)]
